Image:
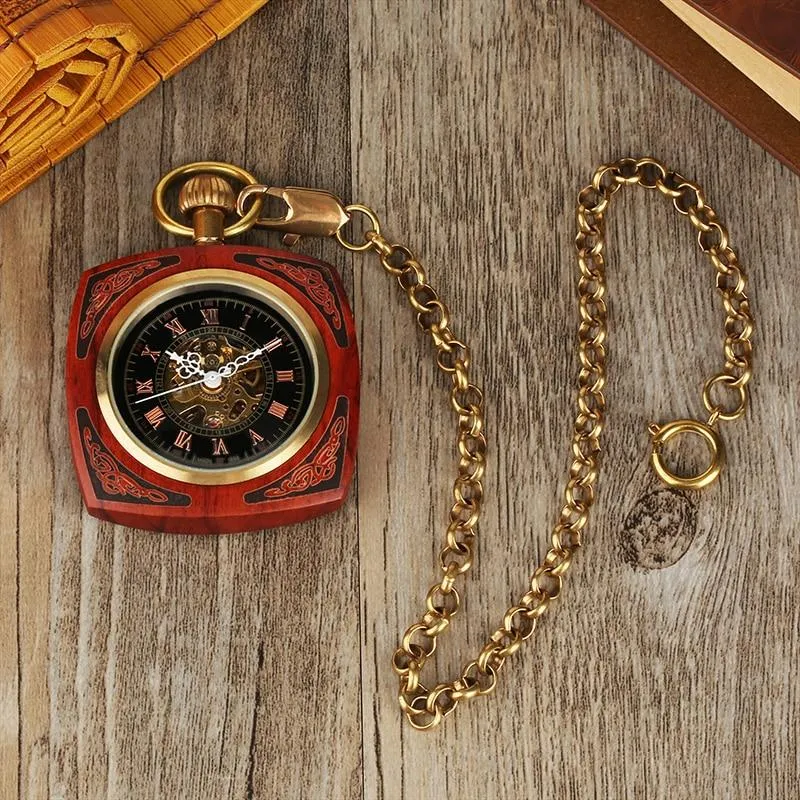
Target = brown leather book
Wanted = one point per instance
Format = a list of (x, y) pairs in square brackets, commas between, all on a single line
[(759, 38)]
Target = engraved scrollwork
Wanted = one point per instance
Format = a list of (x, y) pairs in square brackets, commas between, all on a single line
[(112, 479), (321, 468), (105, 290), (313, 281), (106, 287)]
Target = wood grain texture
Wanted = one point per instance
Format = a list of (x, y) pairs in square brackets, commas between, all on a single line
[(143, 666)]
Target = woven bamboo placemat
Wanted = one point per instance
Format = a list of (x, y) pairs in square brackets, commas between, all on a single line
[(68, 68)]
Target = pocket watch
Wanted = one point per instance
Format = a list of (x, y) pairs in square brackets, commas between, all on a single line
[(214, 388)]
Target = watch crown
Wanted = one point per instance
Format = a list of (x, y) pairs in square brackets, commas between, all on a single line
[(206, 191), (207, 198)]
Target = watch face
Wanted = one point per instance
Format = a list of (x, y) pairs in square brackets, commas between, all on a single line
[(212, 379)]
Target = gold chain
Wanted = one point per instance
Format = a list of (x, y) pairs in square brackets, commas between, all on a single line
[(426, 708), (315, 213)]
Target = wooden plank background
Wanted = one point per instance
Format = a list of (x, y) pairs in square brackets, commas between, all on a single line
[(135, 665)]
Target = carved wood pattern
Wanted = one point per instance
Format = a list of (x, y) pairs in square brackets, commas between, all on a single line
[(320, 471), (112, 480), (105, 287), (315, 281)]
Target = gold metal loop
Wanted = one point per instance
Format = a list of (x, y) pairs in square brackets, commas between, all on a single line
[(732, 383), (373, 220), (230, 171), (661, 435)]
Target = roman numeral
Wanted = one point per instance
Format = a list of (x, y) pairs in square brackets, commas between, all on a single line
[(219, 447), (154, 354), (277, 409), (155, 416), (245, 321), (255, 438), (210, 316), (285, 375), (183, 440), (175, 326), (144, 387), (273, 345)]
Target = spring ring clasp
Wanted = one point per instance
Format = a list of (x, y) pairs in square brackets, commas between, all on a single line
[(662, 434)]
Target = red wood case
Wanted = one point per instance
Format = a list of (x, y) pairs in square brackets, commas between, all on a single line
[(117, 487)]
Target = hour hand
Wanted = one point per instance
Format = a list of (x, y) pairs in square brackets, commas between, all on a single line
[(188, 364)]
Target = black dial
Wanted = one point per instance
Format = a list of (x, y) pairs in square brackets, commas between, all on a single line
[(212, 379)]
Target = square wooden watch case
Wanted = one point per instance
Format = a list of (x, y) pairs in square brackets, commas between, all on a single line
[(124, 486)]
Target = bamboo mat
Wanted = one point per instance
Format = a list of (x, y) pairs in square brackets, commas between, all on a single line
[(68, 68)]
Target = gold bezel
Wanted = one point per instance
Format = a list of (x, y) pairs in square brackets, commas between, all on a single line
[(170, 287)]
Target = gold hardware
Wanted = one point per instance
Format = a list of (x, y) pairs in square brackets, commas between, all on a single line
[(375, 229), (717, 411), (661, 435), (426, 708), (309, 212), (229, 171)]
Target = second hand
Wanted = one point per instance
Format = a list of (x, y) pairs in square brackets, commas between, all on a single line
[(208, 375)]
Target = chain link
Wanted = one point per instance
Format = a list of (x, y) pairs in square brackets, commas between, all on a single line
[(425, 708)]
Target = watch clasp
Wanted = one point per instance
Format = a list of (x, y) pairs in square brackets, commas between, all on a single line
[(309, 212)]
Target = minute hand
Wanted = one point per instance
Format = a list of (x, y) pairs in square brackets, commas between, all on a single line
[(232, 367), (225, 371)]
